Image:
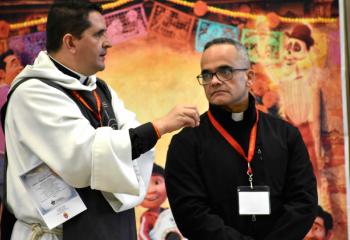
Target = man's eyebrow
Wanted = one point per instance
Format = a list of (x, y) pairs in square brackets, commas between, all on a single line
[(101, 31), (205, 71), (219, 67), (223, 66)]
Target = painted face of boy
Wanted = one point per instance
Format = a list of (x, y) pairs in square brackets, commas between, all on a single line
[(156, 194), (12, 69)]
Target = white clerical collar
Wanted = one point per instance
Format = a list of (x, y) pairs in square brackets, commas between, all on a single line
[(82, 78), (237, 116)]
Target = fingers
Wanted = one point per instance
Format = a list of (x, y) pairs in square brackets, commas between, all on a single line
[(191, 116), (180, 116)]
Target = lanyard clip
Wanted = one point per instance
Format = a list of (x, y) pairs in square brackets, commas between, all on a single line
[(249, 171), (250, 174)]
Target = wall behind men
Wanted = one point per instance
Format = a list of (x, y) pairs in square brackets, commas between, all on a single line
[(155, 59)]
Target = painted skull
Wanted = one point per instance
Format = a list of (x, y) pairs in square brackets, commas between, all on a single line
[(295, 50)]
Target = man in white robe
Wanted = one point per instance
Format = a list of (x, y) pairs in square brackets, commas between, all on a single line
[(44, 124)]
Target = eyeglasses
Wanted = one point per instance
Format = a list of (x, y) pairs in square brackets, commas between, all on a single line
[(223, 74)]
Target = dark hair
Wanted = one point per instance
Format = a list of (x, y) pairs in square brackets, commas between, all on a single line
[(3, 56), (70, 16), (327, 218), (242, 51), (157, 170)]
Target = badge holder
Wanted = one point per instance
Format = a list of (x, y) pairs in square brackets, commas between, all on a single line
[(55, 200), (254, 200)]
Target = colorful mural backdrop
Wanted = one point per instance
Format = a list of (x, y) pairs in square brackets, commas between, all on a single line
[(297, 77), (170, 24), (126, 24), (209, 30)]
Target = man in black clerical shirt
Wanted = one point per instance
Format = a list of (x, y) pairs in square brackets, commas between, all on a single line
[(241, 174)]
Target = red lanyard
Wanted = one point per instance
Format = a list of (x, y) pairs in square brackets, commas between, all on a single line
[(97, 115), (234, 143)]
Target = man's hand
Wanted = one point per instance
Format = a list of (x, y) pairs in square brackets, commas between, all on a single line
[(180, 116)]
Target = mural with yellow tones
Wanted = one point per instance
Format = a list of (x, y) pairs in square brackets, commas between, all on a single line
[(155, 60), (151, 78)]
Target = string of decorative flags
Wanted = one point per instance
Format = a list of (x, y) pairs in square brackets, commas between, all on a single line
[(172, 25), (200, 8)]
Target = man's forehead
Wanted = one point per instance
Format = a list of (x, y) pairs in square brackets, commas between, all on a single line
[(214, 57), (219, 51), (97, 21)]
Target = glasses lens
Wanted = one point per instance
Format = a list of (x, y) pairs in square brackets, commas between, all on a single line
[(225, 74), (205, 78)]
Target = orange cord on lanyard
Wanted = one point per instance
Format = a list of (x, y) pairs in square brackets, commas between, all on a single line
[(97, 115), (236, 145)]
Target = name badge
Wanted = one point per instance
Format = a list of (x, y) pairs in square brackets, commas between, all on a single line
[(55, 200), (254, 201)]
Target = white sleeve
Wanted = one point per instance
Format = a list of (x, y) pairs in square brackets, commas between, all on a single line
[(142, 166), (48, 126)]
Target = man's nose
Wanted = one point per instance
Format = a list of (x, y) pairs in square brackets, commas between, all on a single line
[(107, 43), (215, 80)]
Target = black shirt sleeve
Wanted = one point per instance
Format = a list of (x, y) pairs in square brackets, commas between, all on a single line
[(142, 138), (300, 192)]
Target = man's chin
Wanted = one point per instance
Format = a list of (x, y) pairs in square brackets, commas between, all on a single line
[(100, 68), (218, 102)]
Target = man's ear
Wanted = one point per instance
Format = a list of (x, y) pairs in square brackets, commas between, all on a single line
[(69, 42), (250, 77)]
